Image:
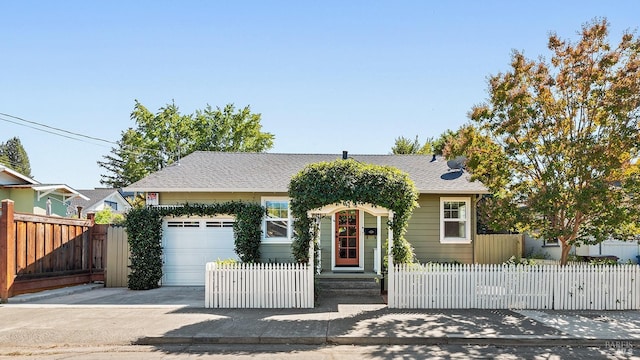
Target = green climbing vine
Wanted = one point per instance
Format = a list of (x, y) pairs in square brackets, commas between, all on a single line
[(351, 183), (144, 230)]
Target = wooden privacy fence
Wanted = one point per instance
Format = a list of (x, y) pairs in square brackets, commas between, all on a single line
[(259, 286), (43, 252), (117, 270), (497, 248), (474, 286)]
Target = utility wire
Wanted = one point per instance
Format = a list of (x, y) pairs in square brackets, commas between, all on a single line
[(136, 148), (43, 130), (55, 128)]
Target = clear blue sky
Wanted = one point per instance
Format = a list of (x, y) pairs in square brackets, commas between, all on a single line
[(326, 76)]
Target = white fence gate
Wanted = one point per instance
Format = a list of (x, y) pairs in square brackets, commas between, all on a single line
[(468, 286), (258, 286)]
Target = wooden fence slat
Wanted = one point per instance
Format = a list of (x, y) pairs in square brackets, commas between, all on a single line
[(31, 248), (21, 247), (39, 248), (48, 248)]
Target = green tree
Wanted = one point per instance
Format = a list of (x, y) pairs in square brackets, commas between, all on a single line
[(433, 146), (14, 156), (438, 145), (228, 129), (556, 142), (405, 146), (107, 216), (161, 139), (130, 161)]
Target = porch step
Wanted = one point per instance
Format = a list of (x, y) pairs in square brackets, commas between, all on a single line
[(348, 287)]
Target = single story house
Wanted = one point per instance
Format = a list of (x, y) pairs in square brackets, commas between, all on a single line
[(32, 197), (625, 251), (441, 229), (99, 199)]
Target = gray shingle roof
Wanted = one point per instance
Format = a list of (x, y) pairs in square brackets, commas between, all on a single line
[(204, 171), (94, 195)]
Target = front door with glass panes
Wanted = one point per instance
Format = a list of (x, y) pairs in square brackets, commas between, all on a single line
[(347, 239)]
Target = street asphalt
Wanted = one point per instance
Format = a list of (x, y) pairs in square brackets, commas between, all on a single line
[(91, 315)]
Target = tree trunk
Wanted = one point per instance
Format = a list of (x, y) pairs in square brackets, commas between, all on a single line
[(565, 252)]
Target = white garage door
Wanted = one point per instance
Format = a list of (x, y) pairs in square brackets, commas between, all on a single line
[(188, 244)]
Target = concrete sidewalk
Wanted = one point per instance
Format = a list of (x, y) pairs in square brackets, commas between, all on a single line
[(88, 315)]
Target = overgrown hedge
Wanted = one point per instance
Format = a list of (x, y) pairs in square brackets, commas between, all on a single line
[(351, 182), (144, 230)]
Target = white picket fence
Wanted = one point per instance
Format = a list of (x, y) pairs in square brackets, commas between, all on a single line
[(481, 286), (258, 286)]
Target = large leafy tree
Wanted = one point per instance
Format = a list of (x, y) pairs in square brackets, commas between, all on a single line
[(162, 138), (557, 142), (14, 156)]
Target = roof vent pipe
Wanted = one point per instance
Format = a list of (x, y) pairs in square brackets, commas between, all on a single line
[(345, 154), (434, 158)]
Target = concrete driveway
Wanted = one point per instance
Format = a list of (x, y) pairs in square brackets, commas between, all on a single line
[(96, 294)]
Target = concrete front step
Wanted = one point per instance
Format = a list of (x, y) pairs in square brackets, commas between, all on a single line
[(348, 287), (349, 292)]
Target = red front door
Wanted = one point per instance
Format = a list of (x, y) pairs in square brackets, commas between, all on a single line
[(347, 238)]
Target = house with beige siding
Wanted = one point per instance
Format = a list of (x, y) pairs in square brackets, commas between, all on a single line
[(441, 229)]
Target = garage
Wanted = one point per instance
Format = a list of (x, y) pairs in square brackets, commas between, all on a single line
[(188, 244)]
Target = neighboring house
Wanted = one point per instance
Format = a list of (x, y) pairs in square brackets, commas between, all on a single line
[(30, 196), (352, 238), (625, 251), (99, 199)]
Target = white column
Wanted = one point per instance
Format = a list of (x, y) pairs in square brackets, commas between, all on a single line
[(391, 293), (318, 237), (389, 250), (311, 251), (378, 259)]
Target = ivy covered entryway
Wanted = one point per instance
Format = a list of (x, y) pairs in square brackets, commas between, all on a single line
[(326, 187)]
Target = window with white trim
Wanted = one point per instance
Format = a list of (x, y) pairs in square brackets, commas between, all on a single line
[(455, 220), (112, 204), (277, 223)]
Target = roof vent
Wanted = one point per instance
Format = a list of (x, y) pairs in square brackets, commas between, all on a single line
[(345, 154)]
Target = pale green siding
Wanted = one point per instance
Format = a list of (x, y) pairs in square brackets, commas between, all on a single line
[(423, 232), (326, 237), (23, 199), (370, 241), (26, 201), (209, 198), (58, 207), (276, 253)]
